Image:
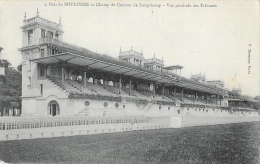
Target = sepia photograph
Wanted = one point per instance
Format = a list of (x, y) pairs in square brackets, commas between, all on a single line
[(126, 82)]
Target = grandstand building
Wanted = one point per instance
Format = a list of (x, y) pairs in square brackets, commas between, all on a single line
[(70, 90), (59, 78)]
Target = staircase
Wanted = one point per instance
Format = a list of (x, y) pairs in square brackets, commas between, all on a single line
[(68, 87), (148, 106)]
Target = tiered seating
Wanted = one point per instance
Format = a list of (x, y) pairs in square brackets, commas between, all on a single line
[(147, 93), (134, 92), (127, 90), (78, 86), (66, 85), (115, 90), (202, 101), (97, 88), (187, 100), (177, 99), (138, 94), (165, 98), (90, 87)]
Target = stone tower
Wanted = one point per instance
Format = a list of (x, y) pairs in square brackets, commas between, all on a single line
[(36, 31)]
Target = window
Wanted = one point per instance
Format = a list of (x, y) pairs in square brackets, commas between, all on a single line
[(41, 85), (30, 80), (30, 37), (42, 53), (43, 33)]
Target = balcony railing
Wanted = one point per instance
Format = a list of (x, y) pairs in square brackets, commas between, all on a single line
[(49, 40), (41, 20)]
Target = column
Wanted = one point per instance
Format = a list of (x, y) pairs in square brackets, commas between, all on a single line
[(175, 92), (62, 78), (216, 99), (220, 100), (130, 87), (163, 90), (85, 79), (120, 80), (206, 96), (153, 89), (45, 70), (103, 77), (182, 94), (114, 81)]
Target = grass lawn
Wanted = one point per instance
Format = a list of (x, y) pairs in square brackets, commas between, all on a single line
[(232, 143)]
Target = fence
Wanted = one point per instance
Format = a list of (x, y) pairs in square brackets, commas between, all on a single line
[(43, 122), (31, 128)]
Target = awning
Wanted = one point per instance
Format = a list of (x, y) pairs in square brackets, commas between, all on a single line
[(83, 60)]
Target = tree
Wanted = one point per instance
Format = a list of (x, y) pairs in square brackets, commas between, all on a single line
[(257, 105), (19, 68), (5, 63), (11, 88)]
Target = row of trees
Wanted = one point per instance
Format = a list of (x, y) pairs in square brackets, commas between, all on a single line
[(10, 88)]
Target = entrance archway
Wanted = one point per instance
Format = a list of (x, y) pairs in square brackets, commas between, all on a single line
[(53, 108)]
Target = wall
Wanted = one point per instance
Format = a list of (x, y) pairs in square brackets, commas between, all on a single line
[(49, 132)]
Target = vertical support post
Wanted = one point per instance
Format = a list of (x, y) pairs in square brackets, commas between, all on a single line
[(163, 90), (220, 100), (103, 77), (130, 87), (206, 99), (85, 79), (175, 92), (114, 82), (120, 81), (93, 79), (62, 77), (153, 89), (216, 99), (45, 70), (181, 94)]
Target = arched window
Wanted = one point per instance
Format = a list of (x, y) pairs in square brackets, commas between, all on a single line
[(53, 108)]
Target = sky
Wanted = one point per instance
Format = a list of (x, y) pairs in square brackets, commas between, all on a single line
[(211, 40)]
